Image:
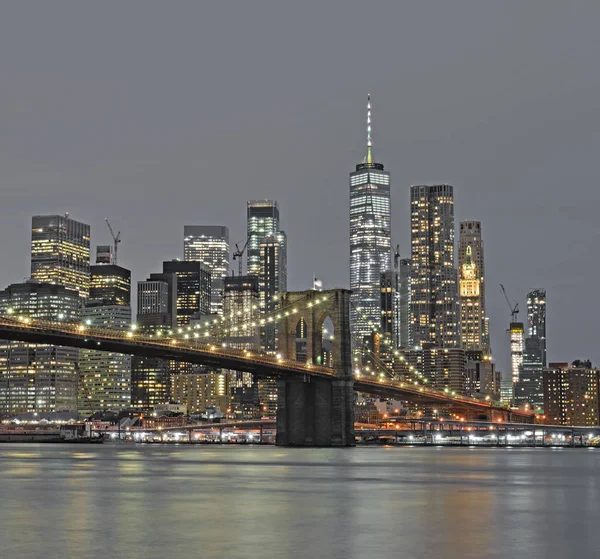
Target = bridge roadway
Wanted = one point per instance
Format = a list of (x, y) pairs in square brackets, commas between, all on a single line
[(192, 350)]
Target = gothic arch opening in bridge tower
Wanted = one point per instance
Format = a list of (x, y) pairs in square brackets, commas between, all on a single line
[(301, 339), (325, 356)]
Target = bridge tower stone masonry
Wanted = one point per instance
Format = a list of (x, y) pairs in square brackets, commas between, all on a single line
[(315, 411)]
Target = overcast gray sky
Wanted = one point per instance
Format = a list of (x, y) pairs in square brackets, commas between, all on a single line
[(160, 114)]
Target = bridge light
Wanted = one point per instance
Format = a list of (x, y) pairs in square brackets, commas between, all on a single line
[(158, 333), (81, 328), (130, 334), (173, 341)]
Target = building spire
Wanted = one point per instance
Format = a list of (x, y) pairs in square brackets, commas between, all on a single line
[(369, 142)]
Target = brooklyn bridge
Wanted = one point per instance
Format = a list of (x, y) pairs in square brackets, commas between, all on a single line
[(315, 402)]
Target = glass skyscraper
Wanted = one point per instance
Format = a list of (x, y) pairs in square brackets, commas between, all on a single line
[(370, 240), (34, 377), (262, 220), (529, 388), (193, 288), (60, 252), (209, 244)]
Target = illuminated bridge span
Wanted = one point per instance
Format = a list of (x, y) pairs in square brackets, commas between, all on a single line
[(315, 403)]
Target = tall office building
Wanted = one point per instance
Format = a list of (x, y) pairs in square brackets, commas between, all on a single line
[(156, 310), (516, 350), (262, 220), (157, 302), (34, 377), (474, 334), (104, 376), (529, 388), (110, 283), (370, 240), (272, 280), (193, 288), (435, 315), (60, 252), (241, 308), (536, 320), (209, 244)]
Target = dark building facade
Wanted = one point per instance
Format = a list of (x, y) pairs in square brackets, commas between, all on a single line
[(110, 284), (193, 288)]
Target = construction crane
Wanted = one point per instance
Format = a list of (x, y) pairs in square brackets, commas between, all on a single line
[(514, 309), (237, 255), (116, 240)]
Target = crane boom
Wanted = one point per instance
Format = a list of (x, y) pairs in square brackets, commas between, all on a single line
[(116, 241), (239, 252), (514, 310)]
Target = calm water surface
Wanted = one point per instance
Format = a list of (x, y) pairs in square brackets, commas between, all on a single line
[(175, 502)]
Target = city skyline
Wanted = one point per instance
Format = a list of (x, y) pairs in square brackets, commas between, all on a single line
[(152, 159)]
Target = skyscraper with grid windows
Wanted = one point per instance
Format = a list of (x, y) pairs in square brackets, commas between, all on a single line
[(370, 240)]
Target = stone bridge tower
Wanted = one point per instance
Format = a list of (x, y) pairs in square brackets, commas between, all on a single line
[(315, 411)]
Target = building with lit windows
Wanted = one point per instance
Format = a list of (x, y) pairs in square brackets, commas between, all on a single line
[(209, 244), (111, 284), (404, 297), (272, 280), (529, 388), (536, 320), (262, 220), (435, 316), (150, 382), (474, 334), (441, 367), (516, 332), (60, 252), (157, 302), (241, 306), (571, 394), (389, 304), (193, 288), (104, 377), (35, 377), (370, 240), (156, 310)]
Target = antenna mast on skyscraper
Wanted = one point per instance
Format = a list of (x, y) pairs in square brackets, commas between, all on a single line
[(369, 141)]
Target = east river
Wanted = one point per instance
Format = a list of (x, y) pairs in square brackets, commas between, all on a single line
[(174, 502)]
